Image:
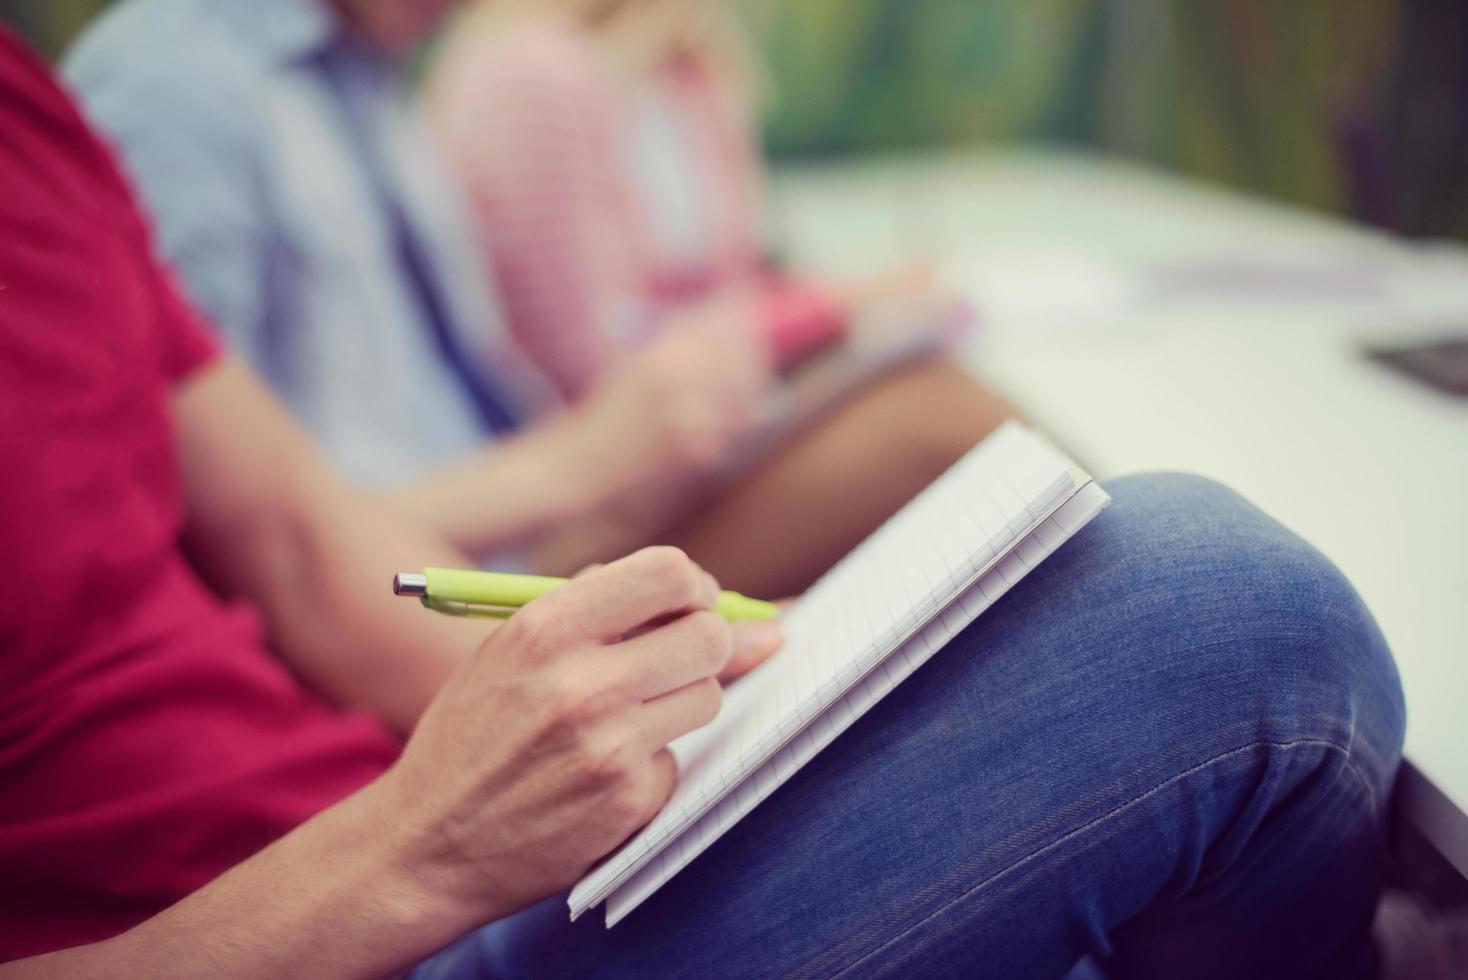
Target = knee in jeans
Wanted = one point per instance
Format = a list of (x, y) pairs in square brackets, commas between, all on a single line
[(1269, 609)]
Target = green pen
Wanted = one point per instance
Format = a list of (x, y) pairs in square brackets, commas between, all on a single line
[(458, 592)]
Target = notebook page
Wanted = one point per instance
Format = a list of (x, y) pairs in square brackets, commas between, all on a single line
[(892, 584), (1038, 545)]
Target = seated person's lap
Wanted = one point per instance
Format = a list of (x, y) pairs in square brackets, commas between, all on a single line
[(1170, 745), (774, 530)]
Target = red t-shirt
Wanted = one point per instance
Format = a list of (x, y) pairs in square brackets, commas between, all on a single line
[(148, 740)]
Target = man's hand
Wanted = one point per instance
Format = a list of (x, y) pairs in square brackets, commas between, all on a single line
[(755, 640), (542, 753), (548, 748)]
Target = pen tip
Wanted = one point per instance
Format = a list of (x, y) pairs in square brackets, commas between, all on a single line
[(410, 583)]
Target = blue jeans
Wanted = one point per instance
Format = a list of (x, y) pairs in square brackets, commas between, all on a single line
[(1170, 748)]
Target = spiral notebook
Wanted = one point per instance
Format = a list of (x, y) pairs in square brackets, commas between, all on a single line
[(867, 624)]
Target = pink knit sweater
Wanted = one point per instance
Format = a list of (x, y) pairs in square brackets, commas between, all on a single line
[(606, 202)]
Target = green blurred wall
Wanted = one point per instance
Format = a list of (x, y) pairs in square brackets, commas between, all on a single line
[(1359, 107), (49, 23), (852, 74)]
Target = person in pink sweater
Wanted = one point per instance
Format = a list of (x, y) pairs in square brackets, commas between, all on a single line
[(609, 151)]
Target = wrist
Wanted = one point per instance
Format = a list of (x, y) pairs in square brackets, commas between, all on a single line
[(338, 896), (435, 889), (420, 893)]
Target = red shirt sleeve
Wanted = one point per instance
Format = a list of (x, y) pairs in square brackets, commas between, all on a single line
[(148, 740), (184, 339), (186, 343), (59, 154)]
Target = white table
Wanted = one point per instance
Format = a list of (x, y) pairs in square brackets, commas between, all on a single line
[(1153, 323)]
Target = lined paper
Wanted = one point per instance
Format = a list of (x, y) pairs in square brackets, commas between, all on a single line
[(966, 528), (1036, 547)]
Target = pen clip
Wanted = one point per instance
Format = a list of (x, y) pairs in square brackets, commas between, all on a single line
[(452, 608)]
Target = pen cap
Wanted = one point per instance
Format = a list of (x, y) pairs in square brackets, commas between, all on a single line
[(410, 583)]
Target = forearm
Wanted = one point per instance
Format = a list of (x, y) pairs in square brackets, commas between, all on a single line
[(327, 596), (267, 521), (513, 491), (332, 898)]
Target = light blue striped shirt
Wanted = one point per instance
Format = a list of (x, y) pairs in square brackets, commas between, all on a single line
[(230, 117)]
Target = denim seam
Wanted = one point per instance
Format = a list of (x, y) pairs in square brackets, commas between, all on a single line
[(1096, 821), (1211, 880)]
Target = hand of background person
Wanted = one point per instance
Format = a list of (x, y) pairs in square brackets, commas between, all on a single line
[(902, 297), (904, 282), (548, 748), (679, 405)]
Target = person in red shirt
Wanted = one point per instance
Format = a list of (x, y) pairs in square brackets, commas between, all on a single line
[(205, 686), (147, 741)]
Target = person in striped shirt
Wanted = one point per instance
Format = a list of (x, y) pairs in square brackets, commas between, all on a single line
[(609, 154)]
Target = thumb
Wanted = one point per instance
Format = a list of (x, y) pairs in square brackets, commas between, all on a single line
[(755, 641), (664, 778)]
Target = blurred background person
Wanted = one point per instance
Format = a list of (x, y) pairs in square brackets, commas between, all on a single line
[(278, 148), (611, 154)]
